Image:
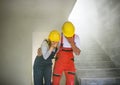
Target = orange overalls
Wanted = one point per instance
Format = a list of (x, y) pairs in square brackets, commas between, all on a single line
[(64, 63)]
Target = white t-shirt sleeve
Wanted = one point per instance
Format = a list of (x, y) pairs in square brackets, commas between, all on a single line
[(77, 41), (67, 44)]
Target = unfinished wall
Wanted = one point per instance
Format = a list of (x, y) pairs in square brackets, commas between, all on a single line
[(19, 19)]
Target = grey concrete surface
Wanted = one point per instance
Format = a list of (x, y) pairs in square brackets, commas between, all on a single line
[(20, 18), (108, 35), (94, 66)]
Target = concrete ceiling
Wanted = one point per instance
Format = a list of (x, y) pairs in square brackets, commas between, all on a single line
[(42, 14)]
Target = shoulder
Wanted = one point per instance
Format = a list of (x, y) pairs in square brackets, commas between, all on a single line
[(45, 42)]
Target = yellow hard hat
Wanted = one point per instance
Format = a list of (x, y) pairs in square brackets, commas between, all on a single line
[(54, 36), (68, 29)]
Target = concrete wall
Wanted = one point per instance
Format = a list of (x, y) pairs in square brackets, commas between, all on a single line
[(18, 20), (108, 32), (101, 18)]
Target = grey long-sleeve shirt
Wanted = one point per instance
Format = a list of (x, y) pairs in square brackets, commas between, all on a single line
[(45, 49)]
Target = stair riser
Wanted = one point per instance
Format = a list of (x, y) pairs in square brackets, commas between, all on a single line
[(99, 82)]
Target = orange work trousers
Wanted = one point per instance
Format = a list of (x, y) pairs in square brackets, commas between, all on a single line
[(64, 63)]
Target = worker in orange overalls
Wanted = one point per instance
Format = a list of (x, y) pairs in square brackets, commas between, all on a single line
[(70, 43)]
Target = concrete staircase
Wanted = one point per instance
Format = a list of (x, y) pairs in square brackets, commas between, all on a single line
[(94, 67)]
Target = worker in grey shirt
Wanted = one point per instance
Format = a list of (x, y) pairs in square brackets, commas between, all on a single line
[(43, 61)]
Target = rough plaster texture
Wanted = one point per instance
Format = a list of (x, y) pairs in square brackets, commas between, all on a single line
[(108, 35), (19, 19), (102, 20)]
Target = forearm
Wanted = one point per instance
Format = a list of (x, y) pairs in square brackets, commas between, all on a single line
[(76, 50), (39, 52)]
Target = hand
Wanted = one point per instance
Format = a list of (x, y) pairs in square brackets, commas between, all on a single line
[(76, 50), (70, 40), (54, 44), (39, 52)]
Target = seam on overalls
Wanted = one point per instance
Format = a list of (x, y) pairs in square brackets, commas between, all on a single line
[(57, 75), (73, 73)]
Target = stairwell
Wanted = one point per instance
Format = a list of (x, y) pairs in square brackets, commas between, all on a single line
[(94, 67)]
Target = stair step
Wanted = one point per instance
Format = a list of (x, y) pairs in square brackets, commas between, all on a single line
[(99, 81), (94, 65), (92, 55), (107, 76), (90, 47), (98, 73), (93, 51), (92, 58)]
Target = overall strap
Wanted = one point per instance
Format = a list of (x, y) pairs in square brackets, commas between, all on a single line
[(65, 49), (61, 40)]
